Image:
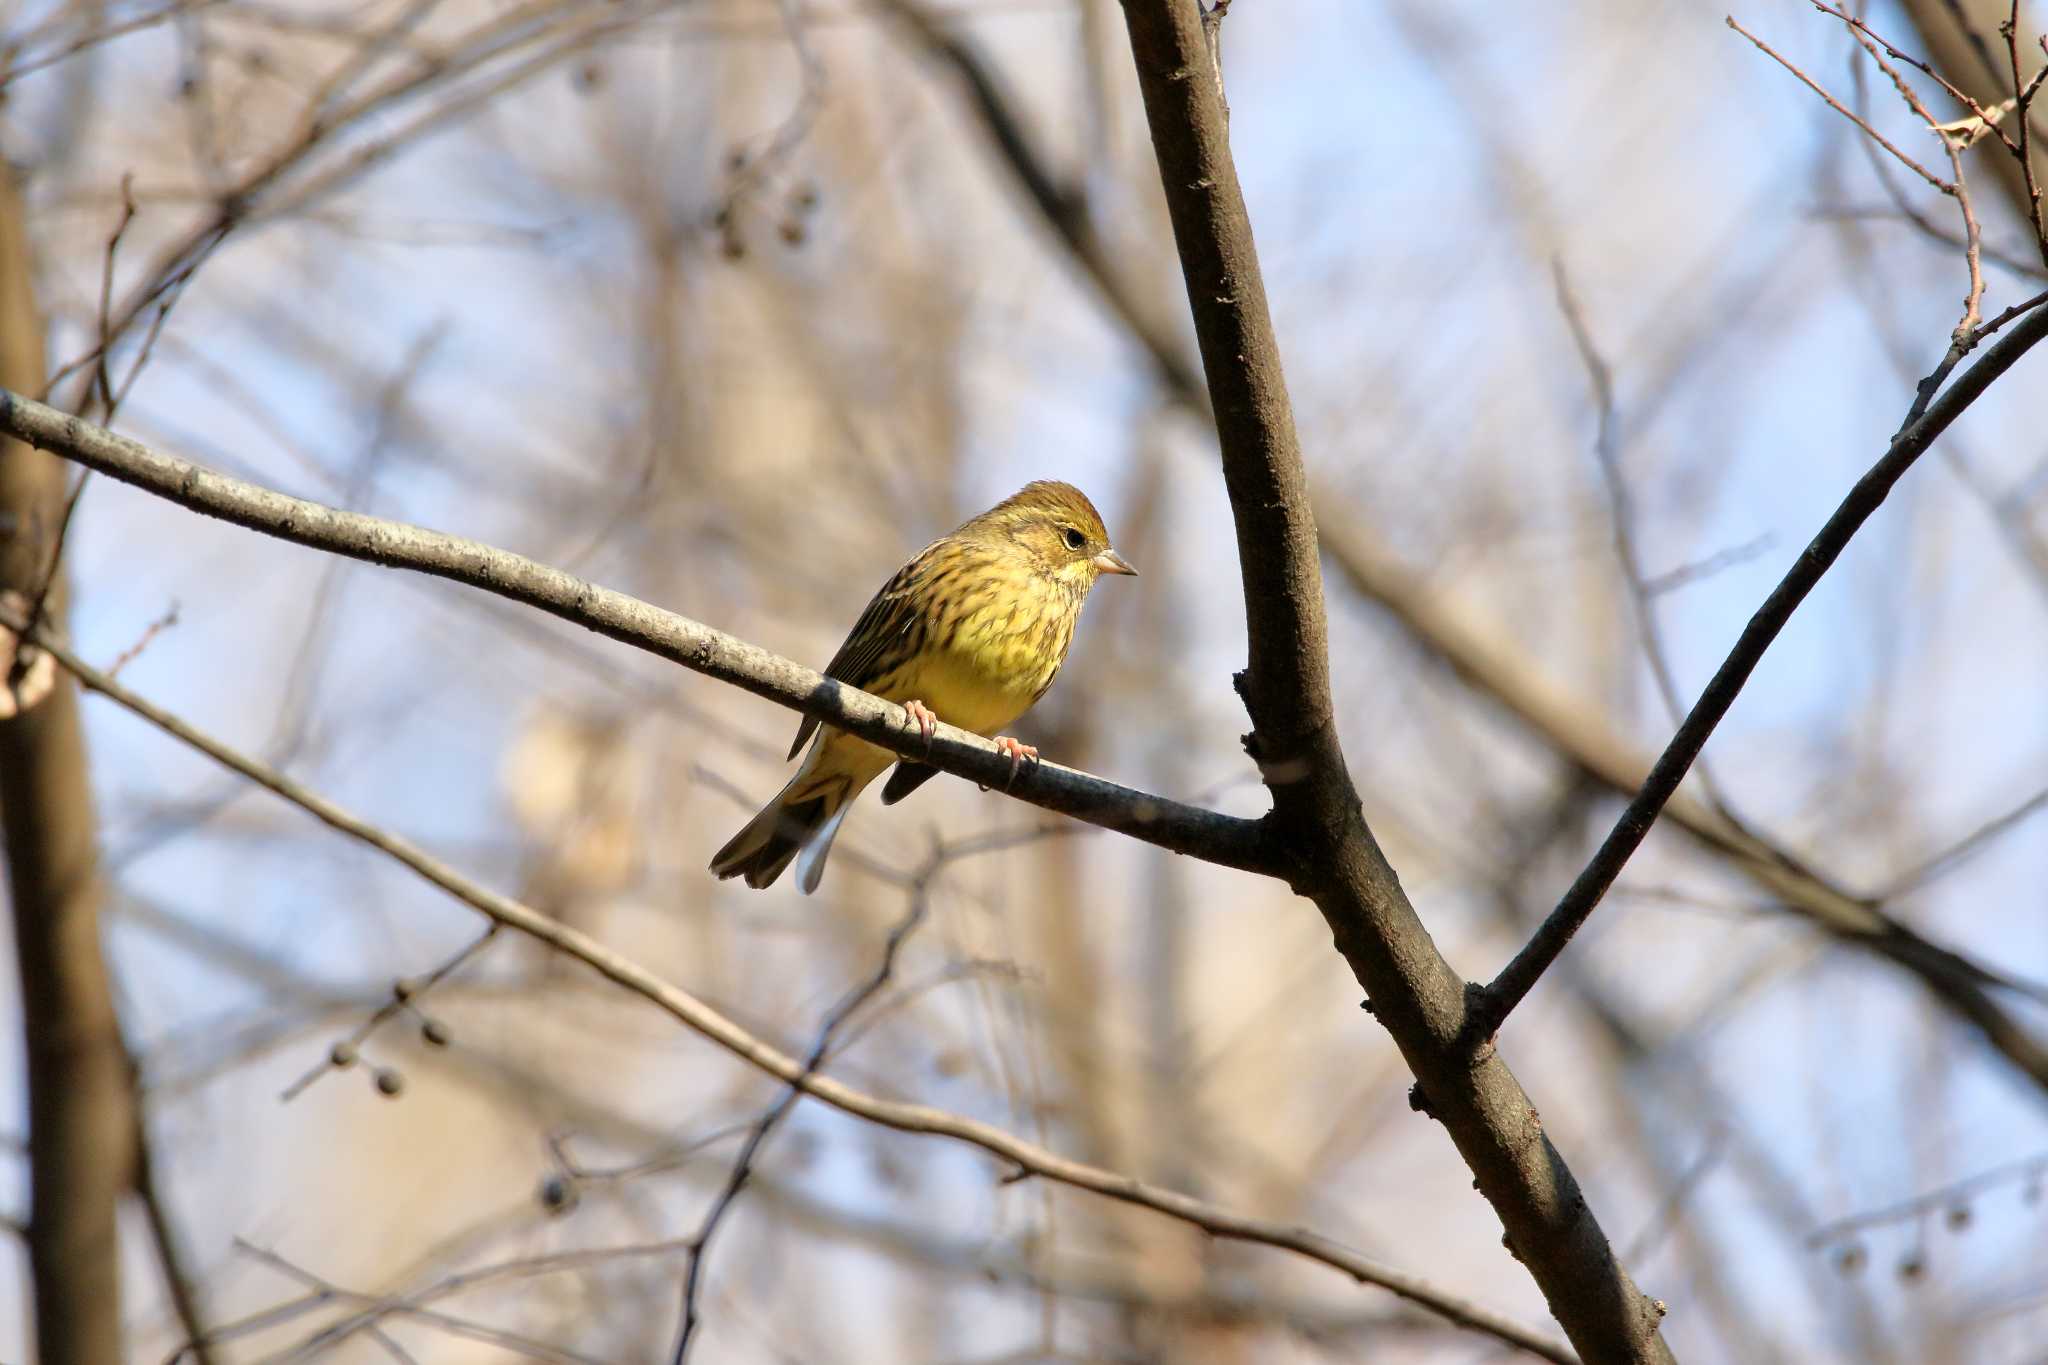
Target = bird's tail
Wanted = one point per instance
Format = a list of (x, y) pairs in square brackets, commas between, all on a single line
[(802, 819)]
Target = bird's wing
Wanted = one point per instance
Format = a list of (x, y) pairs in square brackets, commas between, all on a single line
[(875, 638)]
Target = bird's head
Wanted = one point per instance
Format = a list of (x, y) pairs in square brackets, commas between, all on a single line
[(1056, 525)]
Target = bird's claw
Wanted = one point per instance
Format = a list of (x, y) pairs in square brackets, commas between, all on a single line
[(927, 721), (1018, 752)]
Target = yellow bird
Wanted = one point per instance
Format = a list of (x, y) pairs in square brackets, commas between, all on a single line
[(971, 631)]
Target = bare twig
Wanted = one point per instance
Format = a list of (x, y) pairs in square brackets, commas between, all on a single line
[(557, 28), (405, 998), (372, 1309), (2029, 1172), (106, 384), (17, 66), (821, 1047), (149, 633), (171, 1258), (1620, 510), (2023, 98), (1959, 188), (1990, 119), (1958, 37), (1935, 864), (2018, 310), (53, 568), (1879, 138), (1685, 575)]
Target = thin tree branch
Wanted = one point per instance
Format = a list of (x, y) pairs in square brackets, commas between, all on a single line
[(171, 1258), (1953, 33), (1989, 119), (1956, 1195), (1810, 83), (1621, 509), (1226, 840), (2023, 92), (715, 1027), (1475, 655), (758, 1134), (1965, 328), (1515, 980)]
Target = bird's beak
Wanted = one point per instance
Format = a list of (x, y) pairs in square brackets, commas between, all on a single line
[(1109, 561)]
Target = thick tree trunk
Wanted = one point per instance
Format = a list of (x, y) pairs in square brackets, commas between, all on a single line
[(81, 1127)]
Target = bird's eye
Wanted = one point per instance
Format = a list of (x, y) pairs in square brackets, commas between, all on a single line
[(1075, 540)]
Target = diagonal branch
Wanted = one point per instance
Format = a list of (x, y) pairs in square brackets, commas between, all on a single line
[(1515, 683), (820, 1050), (747, 1047), (1579, 901), (1331, 855), (1223, 839)]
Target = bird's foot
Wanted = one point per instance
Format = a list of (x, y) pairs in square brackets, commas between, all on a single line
[(1018, 752), (927, 721)]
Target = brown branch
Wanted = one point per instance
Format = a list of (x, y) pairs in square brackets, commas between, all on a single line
[(1226, 840), (715, 1027), (1959, 187), (2023, 98), (1868, 131), (1331, 854), (1989, 119), (80, 1100), (1953, 34)]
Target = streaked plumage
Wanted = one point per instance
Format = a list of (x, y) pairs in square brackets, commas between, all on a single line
[(974, 628)]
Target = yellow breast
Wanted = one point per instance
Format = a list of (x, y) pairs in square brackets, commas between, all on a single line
[(993, 659)]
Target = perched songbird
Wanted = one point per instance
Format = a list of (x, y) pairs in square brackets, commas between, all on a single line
[(971, 632)]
